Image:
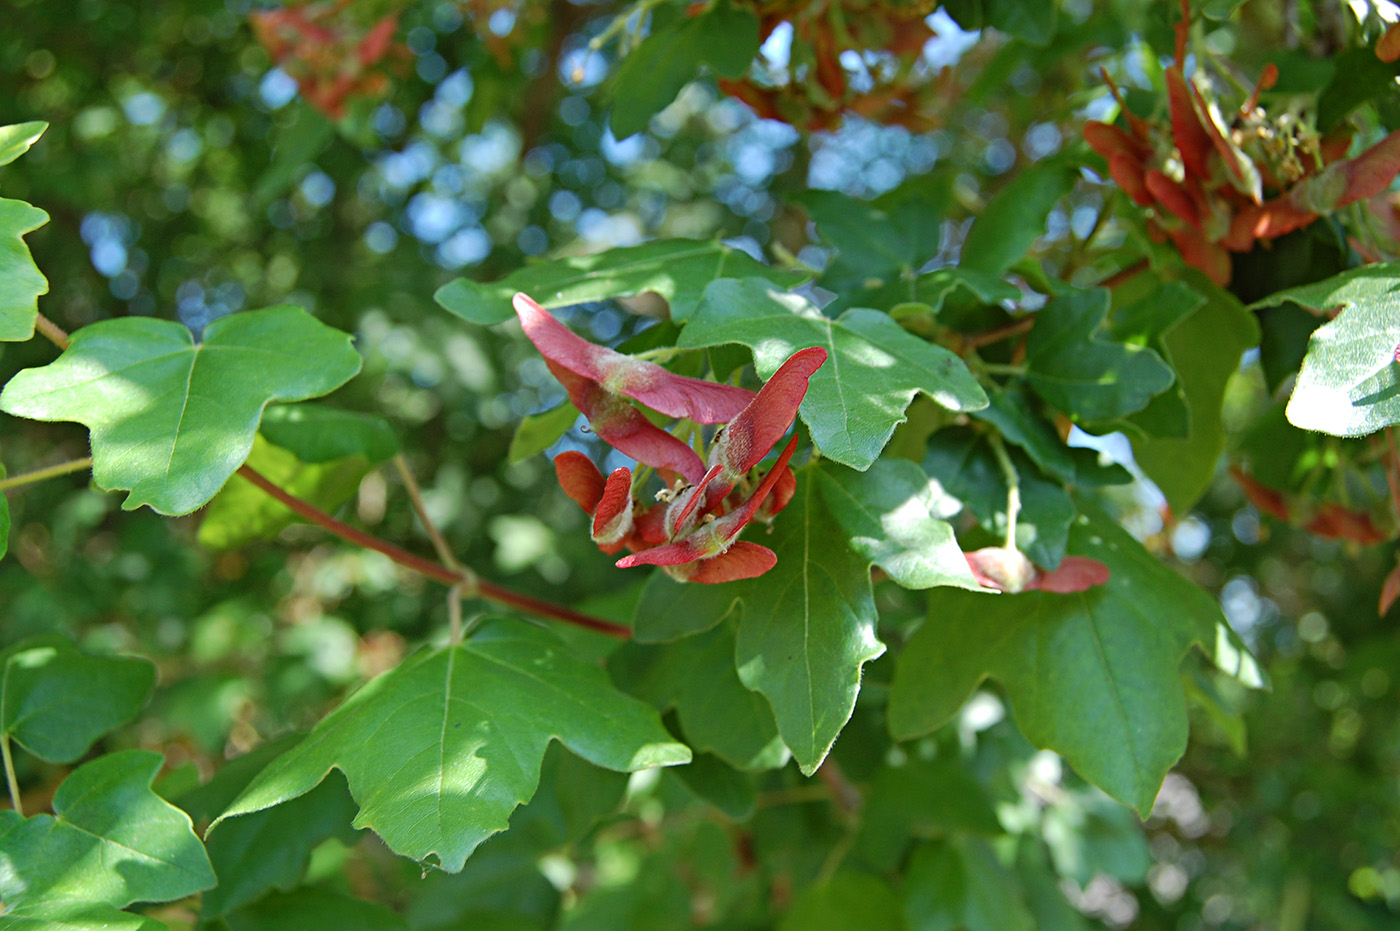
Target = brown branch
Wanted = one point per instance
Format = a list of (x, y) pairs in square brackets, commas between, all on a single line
[(987, 337), (435, 571)]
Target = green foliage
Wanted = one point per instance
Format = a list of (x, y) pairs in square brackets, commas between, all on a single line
[(1091, 675), (677, 269), (56, 701), (439, 751), (873, 369), (171, 418), (1348, 386), (110, 841), (21, 282)]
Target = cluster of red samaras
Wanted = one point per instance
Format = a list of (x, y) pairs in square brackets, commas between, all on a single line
[(1219, 183), (692, 530), (818, 91), (331, 58)]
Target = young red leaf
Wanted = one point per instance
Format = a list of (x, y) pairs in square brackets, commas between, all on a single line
[(1390, 590), (654, 386), (1074, 574)]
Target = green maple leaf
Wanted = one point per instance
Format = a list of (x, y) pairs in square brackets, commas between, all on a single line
[(676, 269), (873, 368), (110, 841), (171, 419), (21, 282), (1087, 377), (56, 701), (1093, 675), (1349, 384), (16, 139), (440, 750), (806, 627)]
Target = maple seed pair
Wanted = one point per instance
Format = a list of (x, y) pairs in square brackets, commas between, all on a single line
[(693, 532)]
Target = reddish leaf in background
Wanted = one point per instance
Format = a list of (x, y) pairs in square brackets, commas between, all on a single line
[(1009, 570), (324, 51), (1390, 590), (660, 390), (1215, 188)]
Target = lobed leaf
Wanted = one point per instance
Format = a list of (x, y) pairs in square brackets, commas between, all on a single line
[(16, 139), (439, 751), (171, 419), (677, 269), (873, 370), (21, 282), (110, 841), (1349, 384), (1092, 676), (1090, 378), (1015, 216), (56, 702)]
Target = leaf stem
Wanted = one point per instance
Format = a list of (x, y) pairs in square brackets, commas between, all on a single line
[(10, 774), (999, 368), (435, 571), (39, 475), (464, 589), (51, 331), (1013, 487)]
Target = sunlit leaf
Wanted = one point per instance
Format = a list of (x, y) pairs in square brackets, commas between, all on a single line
[(110, 840), (21, 282), (440, 750), (171, 419), (873, 370), (1350, 381), (677, 269), (16, 139)]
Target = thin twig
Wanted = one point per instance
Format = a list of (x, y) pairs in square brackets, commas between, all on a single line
[(51, 331), (1015, 328), (426, 567), (39, 475), (10, 774), (415, 495), (1013, 488)]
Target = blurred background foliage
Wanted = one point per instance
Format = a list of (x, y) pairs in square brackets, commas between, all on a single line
[(187, 178)]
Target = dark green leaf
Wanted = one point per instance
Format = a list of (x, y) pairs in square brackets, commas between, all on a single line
[(21, 282), (57, 701), (1089, 834), (1350, 381), (724, 36), (887, 515), (310, 908), (696, 676), (1015, 216), (271, 848), (110, 840), (538, 432), (677, 269), (1091, 675), (16, 139), (1205, 351), (1146, 311), (669, 609), (873, 369), (960, 883), (1011, 412), (921, 799), (440, 750), (846, 900), (171, 419), (316, 433), (1084, 375)]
